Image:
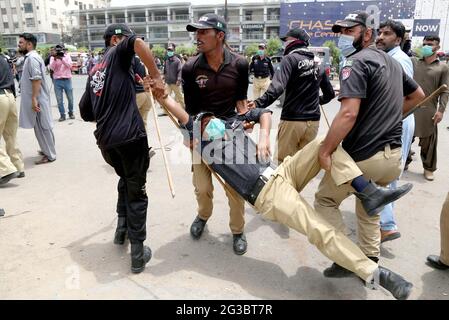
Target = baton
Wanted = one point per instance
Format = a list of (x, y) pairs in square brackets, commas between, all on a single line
[(170, 180), (325, 117), (437, 92)]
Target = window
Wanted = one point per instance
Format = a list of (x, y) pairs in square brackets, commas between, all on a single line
[(76, 3), (16, 25), (13, 10), (28, 7), (3, 10), (53, 11), (54, 26), (5, 25), (91, 6), (29, 22)]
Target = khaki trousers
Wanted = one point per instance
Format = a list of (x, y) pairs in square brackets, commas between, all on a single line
[(204, 192), (11, 159), (444, 230), (179, 96), (429, 151), (144, 104), (382, 168), (280, 201), (260, 86), (293, 136)]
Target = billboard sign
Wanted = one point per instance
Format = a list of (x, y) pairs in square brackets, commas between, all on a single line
[(318, 17), (424, 27)]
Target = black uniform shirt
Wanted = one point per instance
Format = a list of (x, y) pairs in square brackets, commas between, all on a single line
[(110, 98), (217, 92), (234, 157), (6, 76), (380, 82), (261, 67)]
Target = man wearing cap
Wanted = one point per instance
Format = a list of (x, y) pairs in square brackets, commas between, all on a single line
[(369, 126), (301, 78), (172, 73), (110, 101), (263, 71), (216, 80)]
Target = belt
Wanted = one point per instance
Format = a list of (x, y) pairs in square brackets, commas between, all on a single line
[(260, 183), (4, 91)]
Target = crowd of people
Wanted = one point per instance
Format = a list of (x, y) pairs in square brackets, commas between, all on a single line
[(364, 152)]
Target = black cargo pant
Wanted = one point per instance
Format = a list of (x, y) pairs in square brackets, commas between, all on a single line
[(131, 162)]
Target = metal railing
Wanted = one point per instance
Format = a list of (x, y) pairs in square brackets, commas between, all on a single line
[(160, 18), (158, 36), (253, 18), (120, 20), (273, 17), (253, 36), (139, 19), (182, 17), (98, 22)]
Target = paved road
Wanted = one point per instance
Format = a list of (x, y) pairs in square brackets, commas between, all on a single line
[(56, 236)]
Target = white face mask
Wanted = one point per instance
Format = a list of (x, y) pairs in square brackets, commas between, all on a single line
[(286, 43)]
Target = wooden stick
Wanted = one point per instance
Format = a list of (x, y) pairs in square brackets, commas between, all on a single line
[(437, 92), (170, 180), (325, 117)]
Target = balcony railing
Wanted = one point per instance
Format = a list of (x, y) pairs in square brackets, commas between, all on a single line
[(253, 36), (158, 36), (273, 17), (139, 20), (182, 17), (253, 18), (160, 18), (120, 20), (98, 22)]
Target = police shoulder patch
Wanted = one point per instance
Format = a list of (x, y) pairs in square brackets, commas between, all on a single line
[(348, 63), (346, 73)]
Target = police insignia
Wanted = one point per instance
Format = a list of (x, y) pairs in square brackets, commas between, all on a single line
[(201, 81), (345, 73), (348, 63)]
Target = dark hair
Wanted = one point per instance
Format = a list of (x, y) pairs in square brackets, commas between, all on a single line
[(30, 38), (107, 39), (396, 26), (432, 38)]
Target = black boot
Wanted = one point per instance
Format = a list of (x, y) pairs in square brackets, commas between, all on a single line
[(398, 286), (140, 255), (120, 232), (374, 198), (337, 271), (197, 228), (239, 244)]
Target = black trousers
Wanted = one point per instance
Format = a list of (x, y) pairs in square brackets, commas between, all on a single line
[(131, 162)]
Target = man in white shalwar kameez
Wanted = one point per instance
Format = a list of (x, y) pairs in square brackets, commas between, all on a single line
[(35, 112)]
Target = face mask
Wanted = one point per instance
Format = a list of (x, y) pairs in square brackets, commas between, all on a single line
[(427, 51), (286, 43), (260, 52), (346, 45), (170, 54), (215, 129)]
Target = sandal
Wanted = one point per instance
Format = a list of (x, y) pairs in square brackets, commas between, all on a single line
[(43, 160)]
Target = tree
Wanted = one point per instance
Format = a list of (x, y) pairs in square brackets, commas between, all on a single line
[(2, 44), (334, 52), (158, 51), (274, 45), (187, 50), (251, 49)]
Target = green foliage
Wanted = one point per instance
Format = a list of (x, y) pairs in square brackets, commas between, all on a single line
[(334, 52), (158, 51), (274, 45), (251, 49), (44, 50), (188, 50), (2, 44)]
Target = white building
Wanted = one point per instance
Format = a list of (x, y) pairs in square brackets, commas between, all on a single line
[(47, 19)]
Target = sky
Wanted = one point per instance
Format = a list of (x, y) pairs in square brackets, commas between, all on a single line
[(141, 2)]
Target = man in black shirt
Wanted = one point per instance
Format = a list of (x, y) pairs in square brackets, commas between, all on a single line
[(369, 126), (216, 80), (110, 101), (301, 78), (263, 71), (274, 192)]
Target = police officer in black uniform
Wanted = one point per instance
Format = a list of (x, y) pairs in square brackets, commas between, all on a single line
[(263, 71), (215, 80), (301, 78)]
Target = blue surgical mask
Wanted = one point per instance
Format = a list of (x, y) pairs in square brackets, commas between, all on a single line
[(346, 45), (427, 51), (215, 129), (260, 52), (170, 53)]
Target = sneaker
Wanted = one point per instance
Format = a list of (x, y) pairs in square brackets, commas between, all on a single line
[(389, 235), (62, 118), (71, 116), (8, 177)]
